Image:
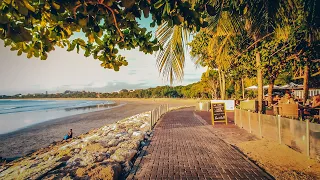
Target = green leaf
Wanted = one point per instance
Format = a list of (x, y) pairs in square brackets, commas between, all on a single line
[(128, 3), (83, 22), (55, 5), (36, 53), (170, 22), (211, 10), (245, 10), (158, 4), (28, 6), (155, 48), (7, 1), (116, 68), (146, 12), (71, 47), (19, 52), (98, 40), (176, 20), (168, 8), (153, 24), (126, 31), (29, 55), (125, 63), (44, 56), (22, 9), (4, 19)]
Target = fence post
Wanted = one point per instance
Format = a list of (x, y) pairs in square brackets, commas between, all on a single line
[(260, 127), (241, 118), (157, 115), (235, 115), (250, 122), (279, 128), (308, 137), (150, 120), (153, 118)]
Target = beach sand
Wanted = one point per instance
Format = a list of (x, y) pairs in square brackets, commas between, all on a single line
[(22, 142)]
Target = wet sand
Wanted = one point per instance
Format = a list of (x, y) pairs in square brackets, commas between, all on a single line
[(24, 141)]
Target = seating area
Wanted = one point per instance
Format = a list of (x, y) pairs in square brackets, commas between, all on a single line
[(285, 108), (289, 110)]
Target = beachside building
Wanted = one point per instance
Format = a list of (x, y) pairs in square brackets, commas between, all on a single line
[(312, 92)]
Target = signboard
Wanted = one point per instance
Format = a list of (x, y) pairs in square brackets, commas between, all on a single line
[(218, 112), (229, 104)]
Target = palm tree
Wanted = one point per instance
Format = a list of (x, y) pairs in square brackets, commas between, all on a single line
[(171, 59), (258, 17)]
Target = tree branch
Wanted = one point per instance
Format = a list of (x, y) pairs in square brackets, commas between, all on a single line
[(101, 2), (115, 21)]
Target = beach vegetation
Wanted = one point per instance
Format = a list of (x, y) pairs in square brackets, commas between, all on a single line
[(240, 40)]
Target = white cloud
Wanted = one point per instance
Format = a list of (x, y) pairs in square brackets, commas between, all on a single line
[(64, 70)]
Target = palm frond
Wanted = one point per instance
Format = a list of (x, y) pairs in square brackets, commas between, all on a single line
[(171, 59)]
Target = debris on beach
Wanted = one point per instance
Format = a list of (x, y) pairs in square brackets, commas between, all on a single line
[(102, 153)]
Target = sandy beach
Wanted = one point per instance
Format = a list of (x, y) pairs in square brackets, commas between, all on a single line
[(27, 140)]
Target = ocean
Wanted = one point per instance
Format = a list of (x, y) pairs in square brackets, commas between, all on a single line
[(19, 114)]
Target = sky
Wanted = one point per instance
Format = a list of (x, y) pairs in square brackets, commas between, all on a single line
[(71, 71)]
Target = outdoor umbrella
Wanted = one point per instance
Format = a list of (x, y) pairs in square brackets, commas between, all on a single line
[(291, 86), (274, 87), (252, 88)]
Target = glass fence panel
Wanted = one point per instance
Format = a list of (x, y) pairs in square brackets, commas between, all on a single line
[(314, 140), (237, 117), (245, 120), (254, 119), (269, 127), (293, 134)]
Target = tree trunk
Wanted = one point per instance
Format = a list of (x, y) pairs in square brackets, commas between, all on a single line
[(270, 90), (223, 92), (220, 83), (242, 84), (306, 83), (259, 81)]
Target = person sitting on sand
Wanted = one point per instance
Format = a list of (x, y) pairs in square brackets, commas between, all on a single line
[(69, 135)]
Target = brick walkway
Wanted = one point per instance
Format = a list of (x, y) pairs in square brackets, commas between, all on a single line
[(183, 148)]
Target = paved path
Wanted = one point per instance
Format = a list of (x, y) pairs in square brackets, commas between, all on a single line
[(183, 148)]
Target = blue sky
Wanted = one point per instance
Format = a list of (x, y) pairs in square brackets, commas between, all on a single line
[(71, 71)]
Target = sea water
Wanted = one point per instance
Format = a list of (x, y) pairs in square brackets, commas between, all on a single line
[(18, 114)]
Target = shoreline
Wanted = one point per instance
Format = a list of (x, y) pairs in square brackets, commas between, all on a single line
[(107, 151), (27, 140), (48, 122)]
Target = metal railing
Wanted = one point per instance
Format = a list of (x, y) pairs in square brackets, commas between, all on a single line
[(302, 136), (157, 113)]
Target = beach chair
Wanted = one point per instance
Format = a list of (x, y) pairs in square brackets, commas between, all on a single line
[(289, 110)]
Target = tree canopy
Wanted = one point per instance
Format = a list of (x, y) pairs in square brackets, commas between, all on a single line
[(36, 27), (261, 38)]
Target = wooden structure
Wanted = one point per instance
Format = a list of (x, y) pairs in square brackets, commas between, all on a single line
[(312, 92), (289, 110), (218, 112), (250, 105)]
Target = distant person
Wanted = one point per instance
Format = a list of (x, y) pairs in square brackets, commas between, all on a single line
[(276, 98), (68, 136), (287, 99), (315, 104), (316, 101)]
